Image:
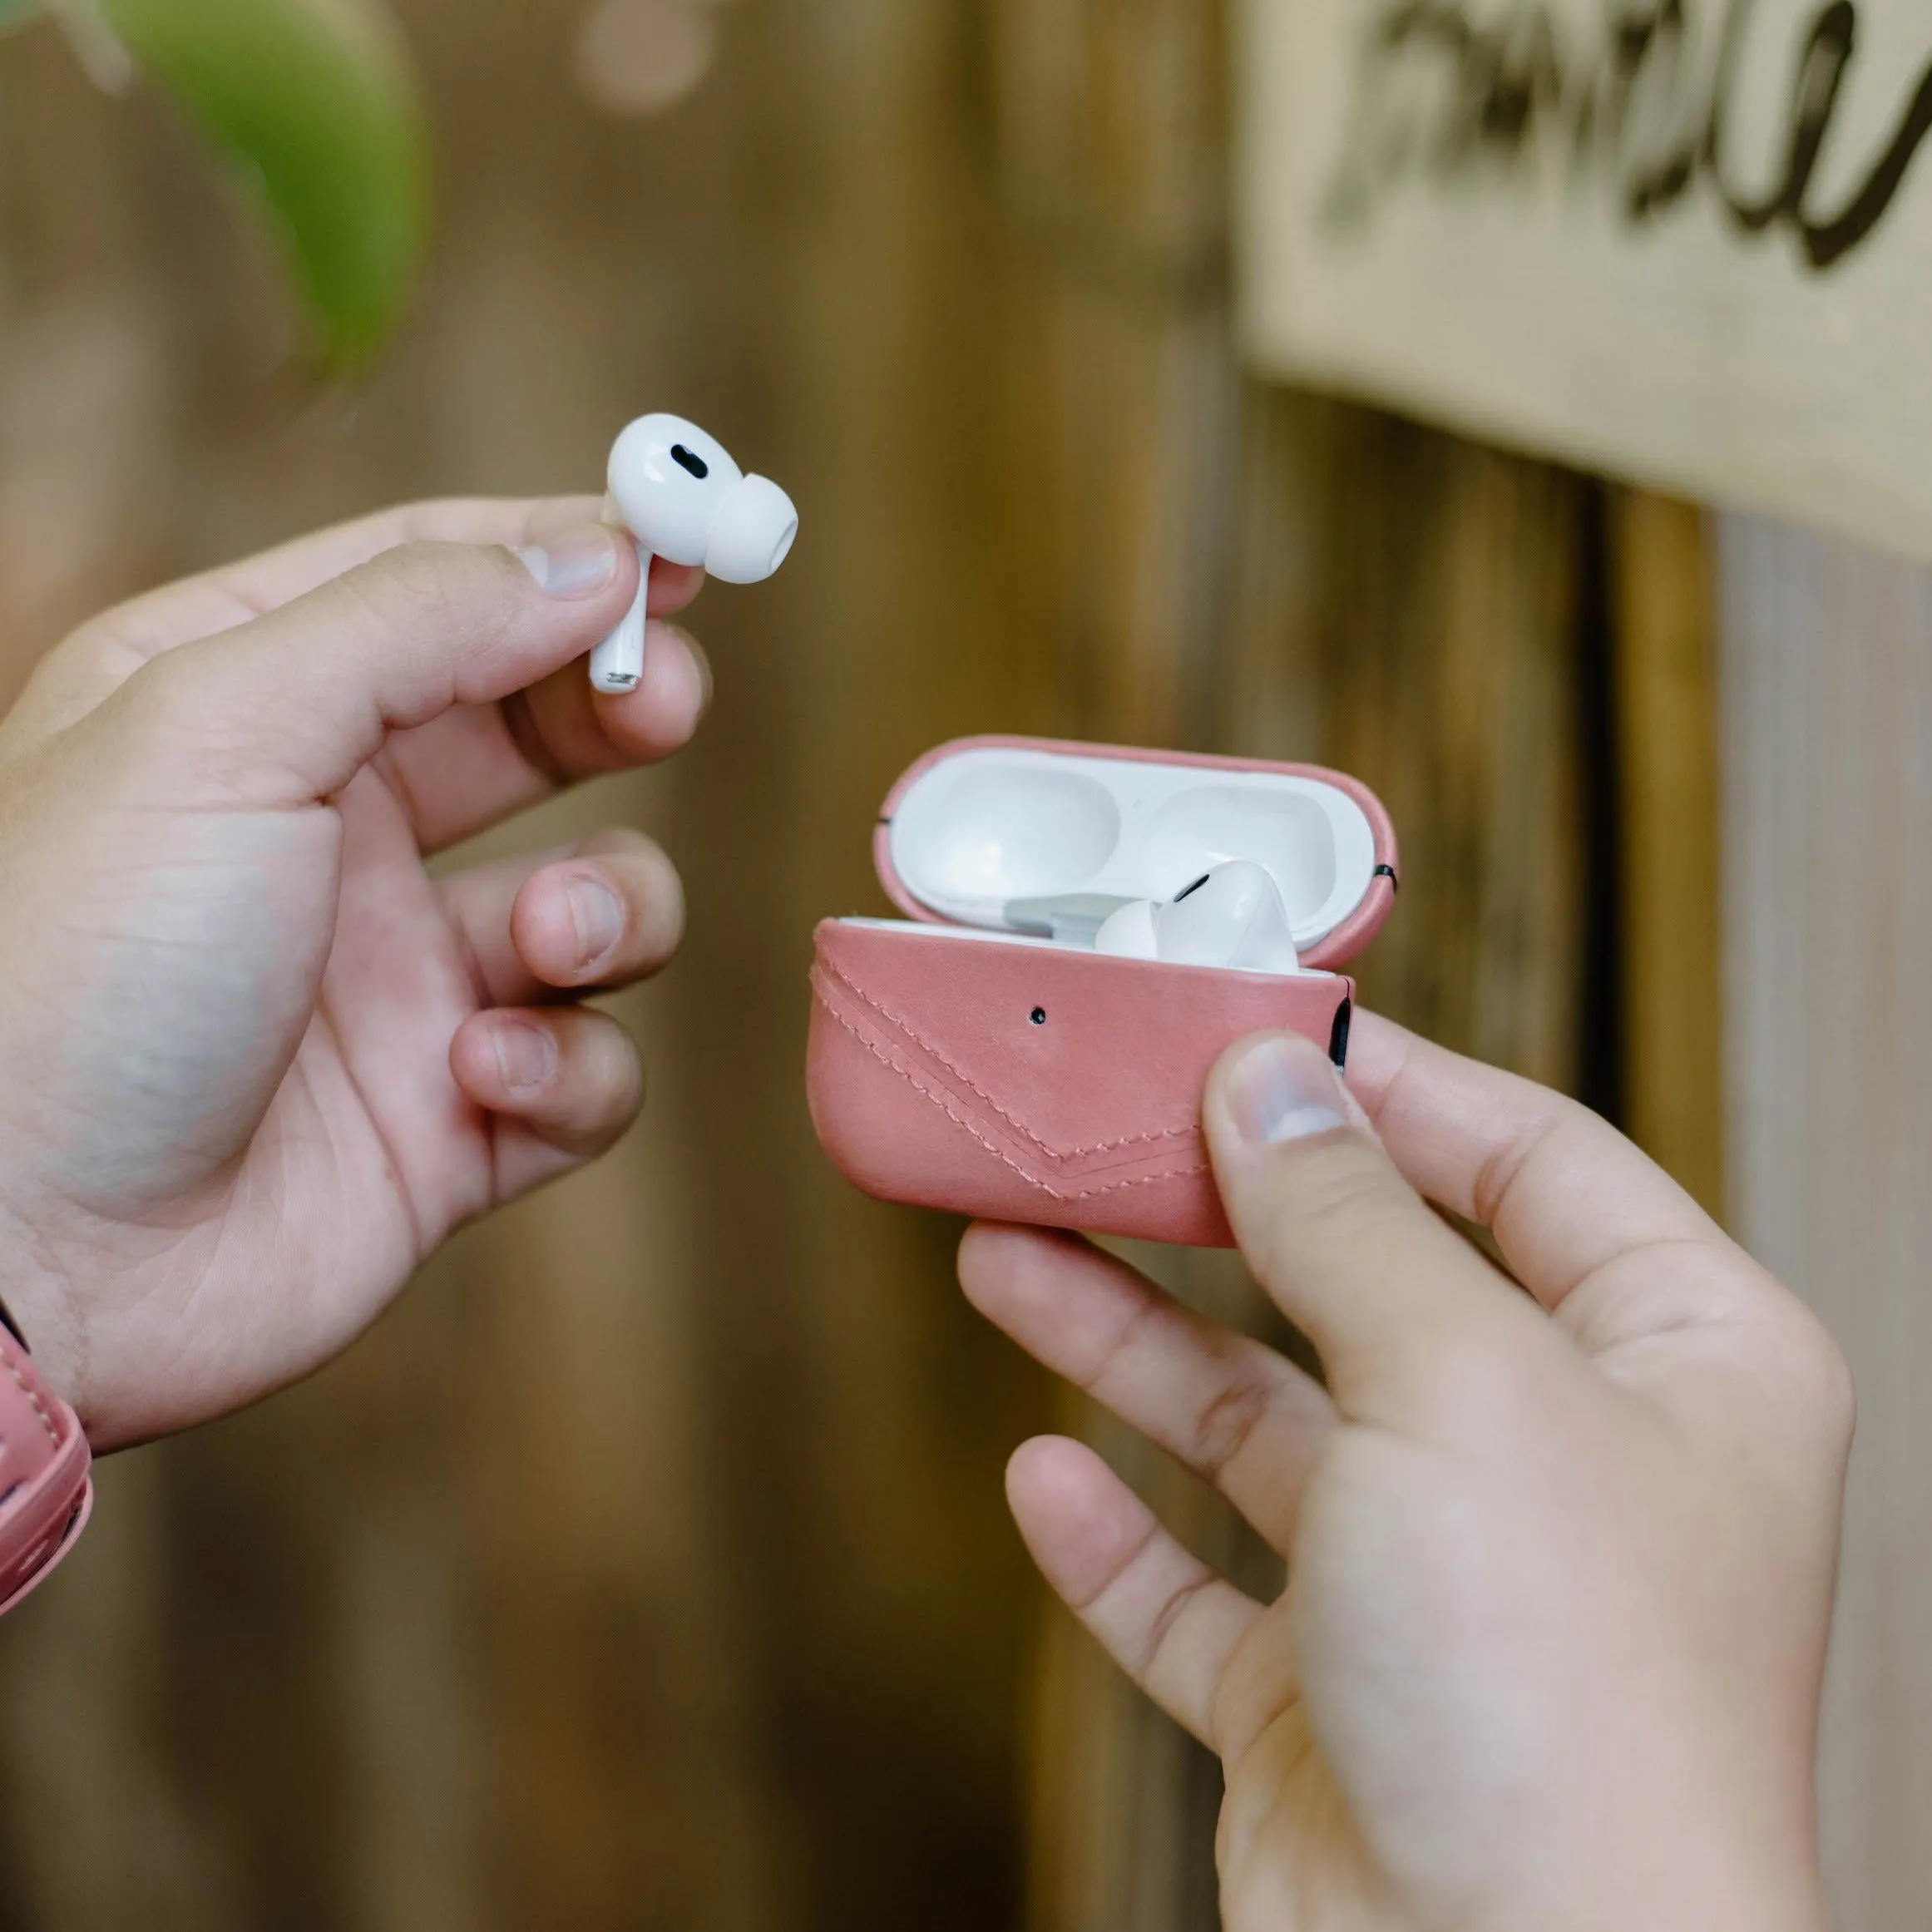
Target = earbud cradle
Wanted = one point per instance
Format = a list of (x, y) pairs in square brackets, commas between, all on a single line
[(1014, 836)]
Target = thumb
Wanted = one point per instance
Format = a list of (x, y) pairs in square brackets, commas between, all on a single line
[(1342, 1243), (288, 708)]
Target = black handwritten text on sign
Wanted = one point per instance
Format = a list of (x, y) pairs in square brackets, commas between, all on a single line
[(1687, 240)]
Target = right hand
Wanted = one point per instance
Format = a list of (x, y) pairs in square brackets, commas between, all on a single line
[(260, 1061), (1561, 1556)]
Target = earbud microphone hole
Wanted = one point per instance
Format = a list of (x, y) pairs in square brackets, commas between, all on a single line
[(689, 459), (1038, 1016)]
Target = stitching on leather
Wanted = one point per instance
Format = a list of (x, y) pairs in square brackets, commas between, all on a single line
[(46, 1422), (999, 1153), (965, 1080)]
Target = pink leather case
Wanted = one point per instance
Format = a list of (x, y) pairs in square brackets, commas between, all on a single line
[(1043, 1083)]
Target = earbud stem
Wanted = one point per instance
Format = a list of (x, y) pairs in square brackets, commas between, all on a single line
[(1070, 918), (617, 663)]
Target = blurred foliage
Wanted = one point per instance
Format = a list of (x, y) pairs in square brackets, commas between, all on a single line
[(313, 102)]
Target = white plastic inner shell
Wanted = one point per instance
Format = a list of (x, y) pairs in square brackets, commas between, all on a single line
[(988, 828)]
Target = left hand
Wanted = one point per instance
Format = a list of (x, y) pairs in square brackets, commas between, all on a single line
[(255, 1062)]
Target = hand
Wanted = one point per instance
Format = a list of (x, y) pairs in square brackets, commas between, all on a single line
[(258, 1062), (1560, 1561)]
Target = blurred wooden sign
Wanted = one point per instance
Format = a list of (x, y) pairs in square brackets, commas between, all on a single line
[(1686, 241)]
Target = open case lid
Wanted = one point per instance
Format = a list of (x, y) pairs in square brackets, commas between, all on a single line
[(981, 822)]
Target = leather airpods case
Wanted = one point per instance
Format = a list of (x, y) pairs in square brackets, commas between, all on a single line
[(980, 1056)]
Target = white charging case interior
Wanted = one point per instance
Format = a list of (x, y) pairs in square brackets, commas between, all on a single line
[(983, 834)]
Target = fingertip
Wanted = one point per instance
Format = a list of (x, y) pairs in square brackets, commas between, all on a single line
[(468, 1047), (504, 1060), (663, 713), (1376, 1048), (588, 564), (572, 1076), (1048, 1473), (673, 587), (978, 1250), (1080, 1522), (570, 923), (1269, 1090), (991, 1252), (601, 918), (549, 931), (1049, 1483), (1068, 1303)]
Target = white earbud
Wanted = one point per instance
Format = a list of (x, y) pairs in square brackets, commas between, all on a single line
[(681, 496), (1233, 916)]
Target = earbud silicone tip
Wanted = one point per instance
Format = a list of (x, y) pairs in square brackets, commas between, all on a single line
[(756, 526)]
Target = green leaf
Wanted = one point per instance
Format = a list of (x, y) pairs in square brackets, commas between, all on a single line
[(314, 99)]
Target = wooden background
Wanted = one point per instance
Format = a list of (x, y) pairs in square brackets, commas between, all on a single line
[(1626, 238), (648, 1566), (1828, 719)]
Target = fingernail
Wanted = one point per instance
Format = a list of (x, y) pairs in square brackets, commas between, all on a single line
[(575, 564), (1284, 1090), (598, 915), (525, 1054)]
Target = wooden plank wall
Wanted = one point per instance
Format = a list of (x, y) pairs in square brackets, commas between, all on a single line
[(1663, 600), (1826, 663)]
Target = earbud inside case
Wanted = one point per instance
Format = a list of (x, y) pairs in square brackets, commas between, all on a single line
[(980, 1055)]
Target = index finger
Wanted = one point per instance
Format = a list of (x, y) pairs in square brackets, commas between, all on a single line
[(1567, 1197)]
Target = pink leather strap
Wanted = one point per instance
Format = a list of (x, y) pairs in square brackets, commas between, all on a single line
[(46, 1492)]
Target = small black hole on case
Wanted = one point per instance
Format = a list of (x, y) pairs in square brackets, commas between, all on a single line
[(1038, 1016)]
